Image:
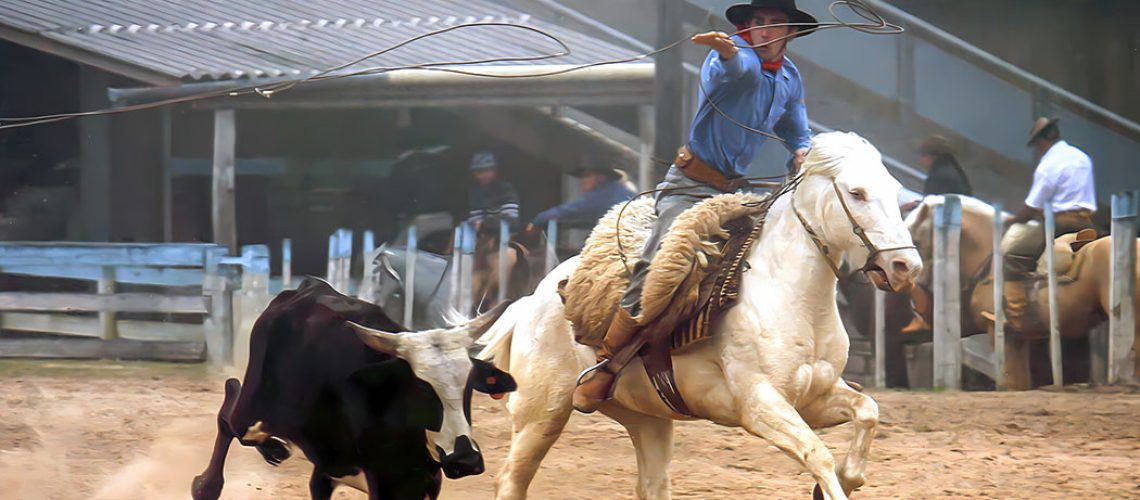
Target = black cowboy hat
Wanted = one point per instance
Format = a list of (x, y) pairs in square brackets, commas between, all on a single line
[(741, 13)]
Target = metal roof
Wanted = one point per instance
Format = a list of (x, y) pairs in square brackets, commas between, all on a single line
[(198, 40)]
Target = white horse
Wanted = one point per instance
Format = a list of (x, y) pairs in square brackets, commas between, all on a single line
[(773, 363)]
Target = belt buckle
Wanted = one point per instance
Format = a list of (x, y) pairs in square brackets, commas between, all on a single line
[(684, 157)]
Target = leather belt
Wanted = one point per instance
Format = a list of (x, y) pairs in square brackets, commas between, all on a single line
[(696, 169)]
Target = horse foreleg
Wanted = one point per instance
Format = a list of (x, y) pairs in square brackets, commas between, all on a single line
[(208, 484), (653, 440), (529, 445), (843, 404), (539, 411), (765, 413)]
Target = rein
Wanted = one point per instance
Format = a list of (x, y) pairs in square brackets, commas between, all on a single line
[(872, 249)]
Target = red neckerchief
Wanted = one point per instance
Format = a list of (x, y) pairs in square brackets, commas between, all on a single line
[(772, 66), (769, 66)]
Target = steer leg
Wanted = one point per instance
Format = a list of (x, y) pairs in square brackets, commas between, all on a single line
[(843, 404), (320, 485), (208, 484), (765, 413)]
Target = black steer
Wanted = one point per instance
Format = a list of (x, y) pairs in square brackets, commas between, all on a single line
[(327, 374)]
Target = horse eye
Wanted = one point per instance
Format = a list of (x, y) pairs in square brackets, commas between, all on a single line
[(859, 194)]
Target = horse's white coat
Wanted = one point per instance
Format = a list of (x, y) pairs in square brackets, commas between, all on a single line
[(773, 365)]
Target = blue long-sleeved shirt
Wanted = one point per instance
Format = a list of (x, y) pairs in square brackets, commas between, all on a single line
[(588, 208), (757, 98)]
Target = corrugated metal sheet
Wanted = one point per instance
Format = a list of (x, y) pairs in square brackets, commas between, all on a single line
[(230, 39)]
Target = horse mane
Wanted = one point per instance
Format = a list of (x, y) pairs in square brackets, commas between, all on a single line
[(830, 149)]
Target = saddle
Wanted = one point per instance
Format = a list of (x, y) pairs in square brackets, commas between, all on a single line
[(693, 279)]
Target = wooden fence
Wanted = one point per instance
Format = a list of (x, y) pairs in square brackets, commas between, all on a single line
[(1112, 349), (460, 270)]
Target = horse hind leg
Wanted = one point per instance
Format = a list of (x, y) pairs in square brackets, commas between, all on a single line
[(208, 484), (844, 404), (765, 413)]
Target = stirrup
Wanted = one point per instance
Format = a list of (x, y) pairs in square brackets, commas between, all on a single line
[(591, 369)]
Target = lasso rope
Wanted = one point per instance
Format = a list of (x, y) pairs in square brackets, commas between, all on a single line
[(875, 24)]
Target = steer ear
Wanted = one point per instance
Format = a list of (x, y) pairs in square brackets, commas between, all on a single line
[(387, 343), (478, 326)]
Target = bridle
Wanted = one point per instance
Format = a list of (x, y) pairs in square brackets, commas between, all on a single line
[(872, 249)]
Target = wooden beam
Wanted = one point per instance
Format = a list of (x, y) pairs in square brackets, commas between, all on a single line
[(1123, 341), (103, 254), (999, 297), (1055, 355), (122, 302), (947, 295), (647, 125), (132, 274), (79, 348), (167, 177), (95, 155), (79, 326), (668, 84), (224, 203)]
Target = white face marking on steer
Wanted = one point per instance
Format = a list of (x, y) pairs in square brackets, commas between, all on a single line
[(440, 358)]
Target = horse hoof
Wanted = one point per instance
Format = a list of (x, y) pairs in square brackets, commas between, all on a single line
[(274, 451), (203, 488), (817, 493)]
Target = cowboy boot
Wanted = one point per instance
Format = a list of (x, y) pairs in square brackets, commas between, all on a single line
[(920, 303), (596, 384), (1017, 305)]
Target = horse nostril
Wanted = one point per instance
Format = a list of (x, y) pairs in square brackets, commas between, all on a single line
[(900, 266)]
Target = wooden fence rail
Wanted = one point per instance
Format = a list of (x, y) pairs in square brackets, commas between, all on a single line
[(185, 279)]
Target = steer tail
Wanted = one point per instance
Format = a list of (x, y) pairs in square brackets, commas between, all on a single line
[(497, 341)]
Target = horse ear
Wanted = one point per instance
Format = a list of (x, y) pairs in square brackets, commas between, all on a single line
[(387, 343), (478, 326)]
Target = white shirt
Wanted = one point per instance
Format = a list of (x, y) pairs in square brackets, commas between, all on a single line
[(1064, 176)]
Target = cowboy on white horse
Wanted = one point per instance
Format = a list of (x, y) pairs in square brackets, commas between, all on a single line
[(758, 87)]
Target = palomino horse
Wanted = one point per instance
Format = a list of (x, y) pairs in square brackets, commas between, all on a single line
[(1082, 302), (773, 363)]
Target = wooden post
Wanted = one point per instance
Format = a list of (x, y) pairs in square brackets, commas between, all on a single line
[(667, 81), (95, 154), (880, 338), (1123, 341), (224, 212), (1054, 321), (167, 177), (998, 272), (551, 245), (410, 277), (219, 324), (947, 295), (330, 270), (645, 123), (504, 237), (106, 286), (286, 264), (456, 261), (466, 269), (344, 260), (367, 267)]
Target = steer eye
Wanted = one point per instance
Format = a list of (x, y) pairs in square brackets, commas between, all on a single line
[(859, 194)]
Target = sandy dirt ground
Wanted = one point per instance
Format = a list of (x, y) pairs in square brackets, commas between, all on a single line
[(72, 430)]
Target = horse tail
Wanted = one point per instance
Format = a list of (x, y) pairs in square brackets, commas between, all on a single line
[(497, 341)]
